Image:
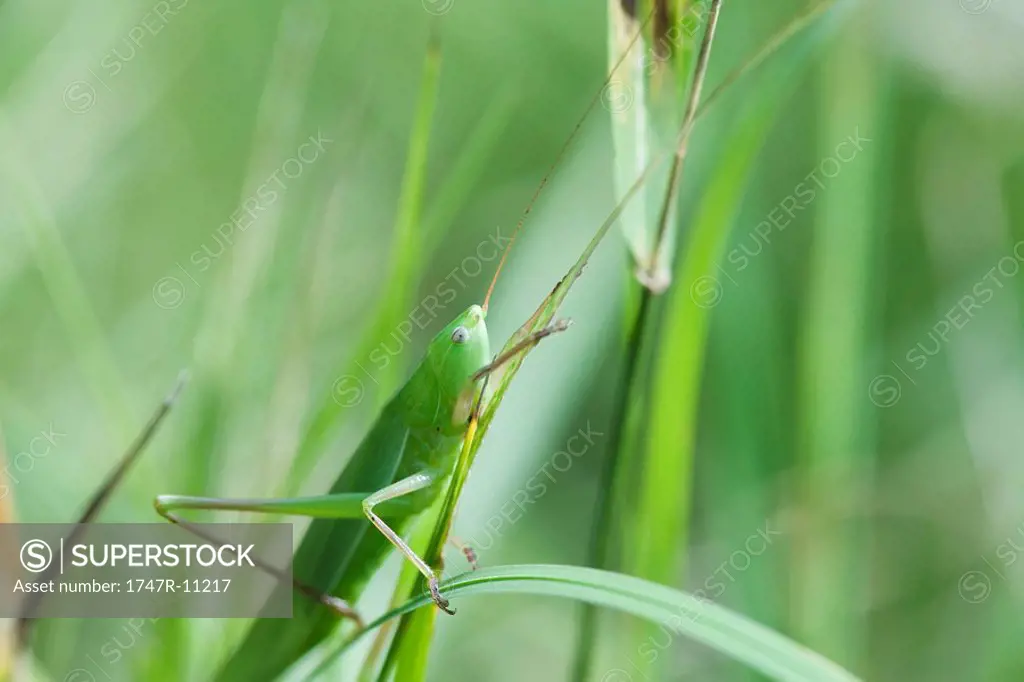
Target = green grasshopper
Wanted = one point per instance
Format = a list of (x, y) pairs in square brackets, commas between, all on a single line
[(400, 469)]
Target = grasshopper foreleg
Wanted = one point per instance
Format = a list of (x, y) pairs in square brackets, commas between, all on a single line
[(528, 342)]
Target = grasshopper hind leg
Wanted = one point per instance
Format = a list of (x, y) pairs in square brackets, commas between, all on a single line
[(165, 504)]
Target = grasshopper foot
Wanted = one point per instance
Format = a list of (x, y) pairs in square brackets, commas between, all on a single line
[(441, 602)]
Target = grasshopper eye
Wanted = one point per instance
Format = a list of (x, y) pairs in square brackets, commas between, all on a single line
[(460, 335)]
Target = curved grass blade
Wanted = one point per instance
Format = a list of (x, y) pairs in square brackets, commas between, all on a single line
[(717, 627)]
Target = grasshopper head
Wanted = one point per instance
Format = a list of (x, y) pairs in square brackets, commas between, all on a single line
[(461, 348), (457, 352)]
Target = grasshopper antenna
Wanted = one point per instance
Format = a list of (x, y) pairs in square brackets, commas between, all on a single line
[(562, 152), (132, 455), (106, 489)]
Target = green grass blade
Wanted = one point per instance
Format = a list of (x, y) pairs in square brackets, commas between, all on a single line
[(413, 657), (838, 422), (407, 238), (615, 481), (678, 364), (397, 299), (704, 622), (652, 245), (661, 521), (660, 524)]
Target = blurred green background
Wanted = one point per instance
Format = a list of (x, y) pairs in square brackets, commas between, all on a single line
[(855, 408)]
